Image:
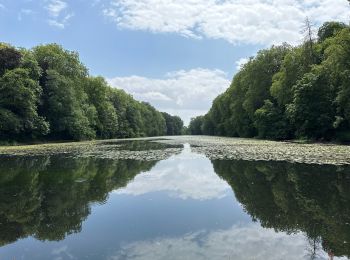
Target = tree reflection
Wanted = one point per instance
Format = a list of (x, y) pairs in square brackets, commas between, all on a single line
[(289, 197), (50, 197)]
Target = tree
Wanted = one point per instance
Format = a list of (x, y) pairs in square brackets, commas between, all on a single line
[(289, 92), (259, 73), (63, 109), (174, 124), (150, 114), (129, 116), (312, 110), (10, 58), (292, 70), (195, 127), (336, 62), (65, 103), (106, 122), (309, 52), (329, 29), (271, 123), (47, 93), (64, 62), (19, 97)]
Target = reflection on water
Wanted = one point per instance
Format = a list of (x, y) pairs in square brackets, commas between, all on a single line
[(236, 242), (48, 197), (184, 207), (180, 176), (287, 197)]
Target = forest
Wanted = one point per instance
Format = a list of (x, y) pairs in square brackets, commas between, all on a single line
[(46, 93), (288, 92)]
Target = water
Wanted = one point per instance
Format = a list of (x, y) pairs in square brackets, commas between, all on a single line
[(183, 207)]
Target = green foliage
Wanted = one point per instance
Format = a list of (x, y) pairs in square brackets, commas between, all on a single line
[(288, 92), (270, 123), (129, 116), (64, 103), (63, 109), (19, 96), (106, 121), (263, 67), (329, 29), (292, 69), (10, 58), (54, 57), (240, 123), (174, 124), (185, 131), (46, 93), (195, 127), (312, 110), (150, 114)]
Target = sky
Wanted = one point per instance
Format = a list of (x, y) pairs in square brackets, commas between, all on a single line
[(177, 55)]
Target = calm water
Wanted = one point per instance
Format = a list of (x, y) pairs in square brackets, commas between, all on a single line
[(183, 207)]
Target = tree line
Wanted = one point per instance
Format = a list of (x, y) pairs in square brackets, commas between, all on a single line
[(46, 93), (288, 92)]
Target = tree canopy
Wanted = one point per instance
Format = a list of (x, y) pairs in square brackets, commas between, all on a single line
[(288, 92), (174, 124), (46, 93)]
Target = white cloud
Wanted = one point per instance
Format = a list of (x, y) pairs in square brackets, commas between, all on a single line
[(60, 23), (56, 24), (237, 21), (180, 177), (241, 62), (58, 13), (55, 7), (156, 96), (62, 253), (185, 93), (237, 242)]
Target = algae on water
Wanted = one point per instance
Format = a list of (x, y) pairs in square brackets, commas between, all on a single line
[(218, 148)]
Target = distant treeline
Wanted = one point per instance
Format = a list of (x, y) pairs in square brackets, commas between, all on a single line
[(46, 93), (288, 92)]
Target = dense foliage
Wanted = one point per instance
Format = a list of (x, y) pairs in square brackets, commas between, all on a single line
[(174, 124), (47, 93), (288, 92)]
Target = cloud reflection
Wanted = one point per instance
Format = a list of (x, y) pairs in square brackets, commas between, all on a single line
[(238, 242), (185, 176)]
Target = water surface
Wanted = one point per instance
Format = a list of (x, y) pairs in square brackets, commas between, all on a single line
[(185, 206)]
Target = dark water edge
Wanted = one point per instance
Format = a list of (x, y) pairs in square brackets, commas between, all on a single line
[(183, 207)]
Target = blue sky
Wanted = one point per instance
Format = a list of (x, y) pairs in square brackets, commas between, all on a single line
[(177, 55)]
